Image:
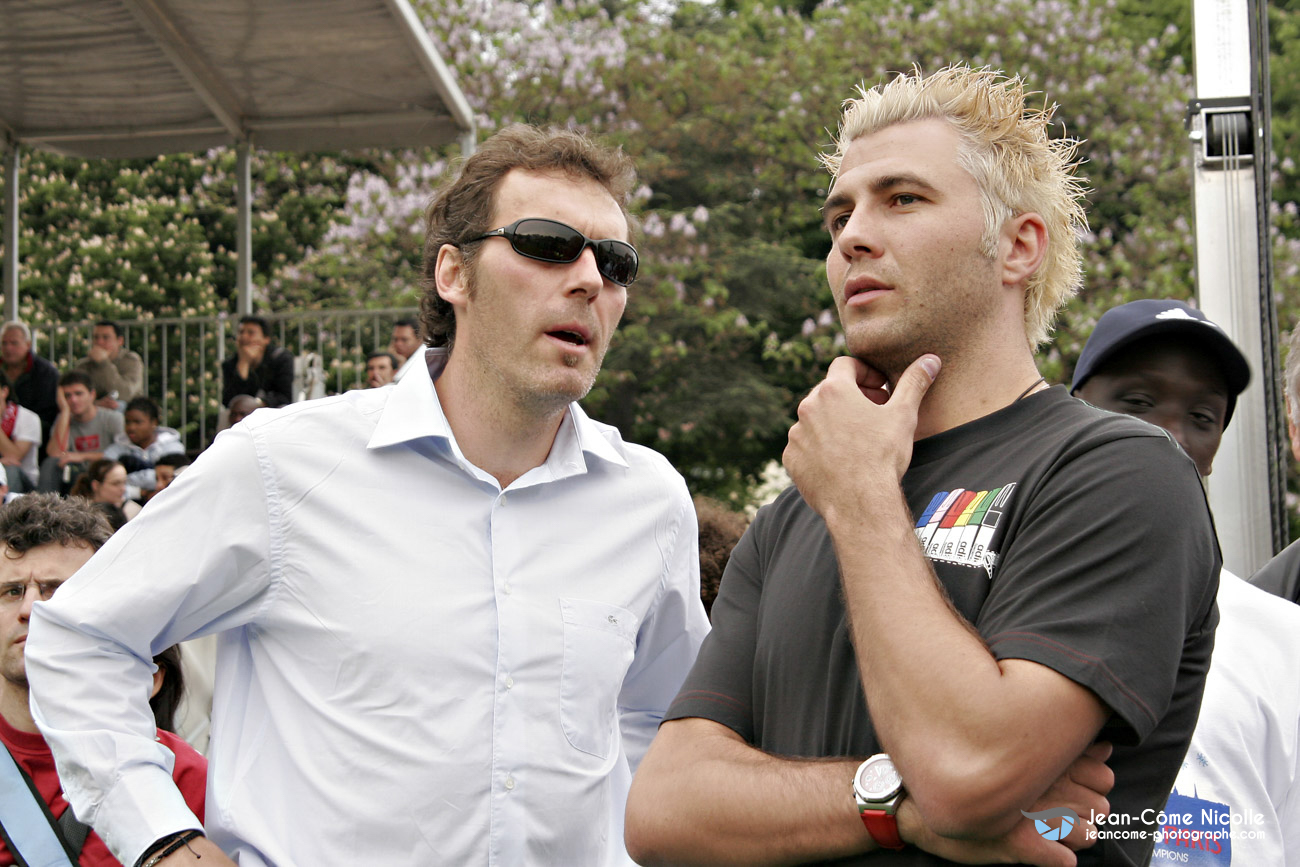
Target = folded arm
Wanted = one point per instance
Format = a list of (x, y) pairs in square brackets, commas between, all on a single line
[(984, 737), (130, 370), (996, 722), (704, 796), (13, 451)]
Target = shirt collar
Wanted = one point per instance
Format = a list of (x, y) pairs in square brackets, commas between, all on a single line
[(413, 411), (599, 441)]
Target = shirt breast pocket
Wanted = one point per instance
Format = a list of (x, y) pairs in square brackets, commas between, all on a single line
[(599, 642)]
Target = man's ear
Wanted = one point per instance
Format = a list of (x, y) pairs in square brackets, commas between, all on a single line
[(450, 275), (1023, 246)]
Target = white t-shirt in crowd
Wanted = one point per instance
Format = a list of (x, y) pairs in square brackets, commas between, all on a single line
[(1240, 782), (27, 429)]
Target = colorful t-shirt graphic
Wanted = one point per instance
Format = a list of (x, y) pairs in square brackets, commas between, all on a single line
[(957, 526)]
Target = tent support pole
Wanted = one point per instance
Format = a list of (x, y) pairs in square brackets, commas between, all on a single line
[(244, 228), (11, 232)]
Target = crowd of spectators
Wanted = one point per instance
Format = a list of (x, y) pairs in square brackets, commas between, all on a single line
[(87, 432), (56, 426)]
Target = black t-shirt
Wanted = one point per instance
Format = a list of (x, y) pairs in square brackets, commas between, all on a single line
[(1281, 575), (1067, 535), (37, 389)]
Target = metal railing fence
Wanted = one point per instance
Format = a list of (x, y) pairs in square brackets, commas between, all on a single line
[(182, 356)]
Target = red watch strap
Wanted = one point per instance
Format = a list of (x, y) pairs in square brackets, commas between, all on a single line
[(883, 827)]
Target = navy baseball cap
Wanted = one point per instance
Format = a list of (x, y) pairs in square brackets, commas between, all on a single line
[(1122, 326)]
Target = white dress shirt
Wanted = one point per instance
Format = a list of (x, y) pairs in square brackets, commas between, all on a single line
[(414, 666), (414, 360), (1241, 778)]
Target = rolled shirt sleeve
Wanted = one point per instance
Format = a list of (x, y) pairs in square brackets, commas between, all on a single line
[(161, 580), (668, 641)]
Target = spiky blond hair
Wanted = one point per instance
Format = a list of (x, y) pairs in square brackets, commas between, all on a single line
[(1007, 150)]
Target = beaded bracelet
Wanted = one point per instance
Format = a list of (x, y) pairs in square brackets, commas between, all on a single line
[(178, 840)]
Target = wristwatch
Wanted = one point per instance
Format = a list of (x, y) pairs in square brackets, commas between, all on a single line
[(879, 790)]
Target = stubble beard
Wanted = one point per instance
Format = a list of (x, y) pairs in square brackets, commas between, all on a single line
[(889, 359), (539, 394), (540, 400), (952, 312), (14, 671), (892, 349), (545, 402)]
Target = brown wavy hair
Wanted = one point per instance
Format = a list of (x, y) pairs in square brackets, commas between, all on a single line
[(35, 520)]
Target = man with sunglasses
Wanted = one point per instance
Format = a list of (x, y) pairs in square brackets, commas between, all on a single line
[(452, 611)]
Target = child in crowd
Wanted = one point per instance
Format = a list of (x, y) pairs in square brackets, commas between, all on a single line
[(142, 444), (166, 469)]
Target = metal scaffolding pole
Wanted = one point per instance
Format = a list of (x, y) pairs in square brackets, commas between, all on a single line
[(1228, 122)]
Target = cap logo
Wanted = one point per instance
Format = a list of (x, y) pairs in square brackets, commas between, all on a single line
[(1180, 313)]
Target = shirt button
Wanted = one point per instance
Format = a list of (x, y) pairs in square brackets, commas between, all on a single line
[(510, 784), (502, 500), (510, 682), (507, 589)]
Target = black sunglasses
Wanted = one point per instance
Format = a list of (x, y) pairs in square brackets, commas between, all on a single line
[(549, 241)]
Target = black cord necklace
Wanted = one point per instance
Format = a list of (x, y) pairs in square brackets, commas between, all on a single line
[(1024, 394)]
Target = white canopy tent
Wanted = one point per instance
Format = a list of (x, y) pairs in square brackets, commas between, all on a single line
[(139, 78)]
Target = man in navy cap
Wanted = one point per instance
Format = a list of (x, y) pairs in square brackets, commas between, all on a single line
[(1166, 363)]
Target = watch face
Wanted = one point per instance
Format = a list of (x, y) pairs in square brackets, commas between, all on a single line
[(877, 780)]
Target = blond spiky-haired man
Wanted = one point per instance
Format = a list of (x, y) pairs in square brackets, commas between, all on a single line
[(977, 581)]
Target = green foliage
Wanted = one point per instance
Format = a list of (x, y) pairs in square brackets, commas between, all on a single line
[(371, 256), (1167, 21), (699, 352), (733, 103), (1284, 34), (724, 107), (103, 238)]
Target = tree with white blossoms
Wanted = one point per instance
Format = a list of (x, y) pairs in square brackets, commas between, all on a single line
[(137, 239), (723, 107)]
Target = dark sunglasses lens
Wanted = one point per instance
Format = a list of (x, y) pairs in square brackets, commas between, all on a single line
[(547, 241), (617, 261)]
